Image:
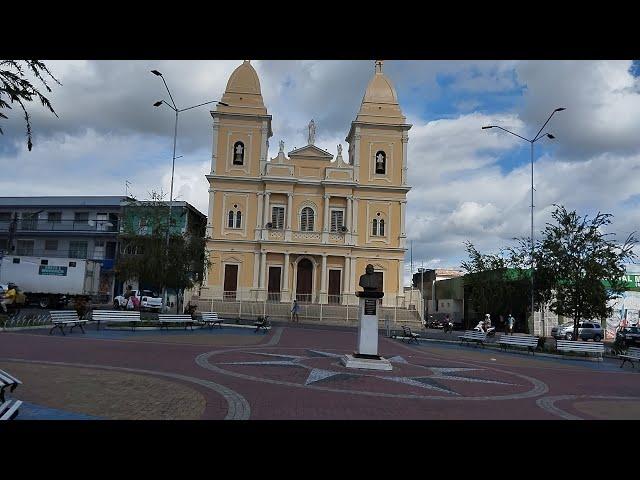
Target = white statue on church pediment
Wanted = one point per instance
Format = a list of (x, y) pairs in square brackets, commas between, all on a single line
[(312, 132)]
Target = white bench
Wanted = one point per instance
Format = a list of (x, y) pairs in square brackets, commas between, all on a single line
[(7, 381), (9, 409), (167, 318), (522, 340), (116, 316), (211, 319), (473, 336), (580, 347), (632, 355), (65, 318)]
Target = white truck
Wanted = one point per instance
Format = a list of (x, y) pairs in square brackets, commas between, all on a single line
[(51, 282)]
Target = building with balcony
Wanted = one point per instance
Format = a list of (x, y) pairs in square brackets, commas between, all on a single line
[(84, 227), (304, 224)]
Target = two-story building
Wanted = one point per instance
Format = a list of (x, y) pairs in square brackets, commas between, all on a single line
[(305, 224), (84, 227)]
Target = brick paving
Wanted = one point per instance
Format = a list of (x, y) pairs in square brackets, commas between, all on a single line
[(295, 373)]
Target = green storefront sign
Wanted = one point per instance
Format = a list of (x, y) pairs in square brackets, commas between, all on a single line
[(53, 270)]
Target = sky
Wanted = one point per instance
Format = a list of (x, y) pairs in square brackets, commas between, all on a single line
[(467, 183)]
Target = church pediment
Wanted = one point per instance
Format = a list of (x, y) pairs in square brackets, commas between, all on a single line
[(311, 152)]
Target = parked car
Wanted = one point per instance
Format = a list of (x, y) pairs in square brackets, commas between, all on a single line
[(630, 336), (147, 299), (586, 331)]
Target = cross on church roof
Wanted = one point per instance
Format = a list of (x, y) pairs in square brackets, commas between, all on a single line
[(379, 66)]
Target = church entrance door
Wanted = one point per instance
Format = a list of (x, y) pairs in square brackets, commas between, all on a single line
[(304, 283)]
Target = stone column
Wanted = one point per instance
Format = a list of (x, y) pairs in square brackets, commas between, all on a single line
[(287, 233), (354, 237), (400, 280), (285, 292), (403, 212), (259, 215), (256, 270), (349, 224), (262, 293), (405, 140), (325, 226), (346, 280), (265, 216), (214, 147), (352, 279), (264, 147), (356, 155), (212, 196), (323, 279)]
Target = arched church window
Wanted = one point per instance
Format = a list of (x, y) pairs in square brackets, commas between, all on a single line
[(231, 217), (307, 219), (381, 162), (374, 230), (381, 228), (238, 219), (238, 153)]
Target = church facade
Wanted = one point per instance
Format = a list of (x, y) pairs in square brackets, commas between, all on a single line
[(304, 224)]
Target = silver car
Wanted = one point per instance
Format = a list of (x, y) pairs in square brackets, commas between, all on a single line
[(586, 331)]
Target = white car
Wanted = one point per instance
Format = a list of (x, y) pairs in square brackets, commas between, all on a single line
[(147, 300)]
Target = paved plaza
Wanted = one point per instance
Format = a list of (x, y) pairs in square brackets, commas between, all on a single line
[(295, 373)]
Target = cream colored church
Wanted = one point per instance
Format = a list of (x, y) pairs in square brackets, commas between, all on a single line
[(304, 225)]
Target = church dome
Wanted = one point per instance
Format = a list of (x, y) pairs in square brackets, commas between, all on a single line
[(243, 94), (380, 101), (244, 79), (380, 89)]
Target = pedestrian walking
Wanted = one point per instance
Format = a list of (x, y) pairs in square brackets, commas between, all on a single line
[(294, 312), (510, 322)]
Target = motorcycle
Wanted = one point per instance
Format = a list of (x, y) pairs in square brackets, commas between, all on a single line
[(490, 331), (448, 327)]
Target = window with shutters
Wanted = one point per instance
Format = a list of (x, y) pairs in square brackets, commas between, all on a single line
[(277, 217), (307, 219), (337, 217)]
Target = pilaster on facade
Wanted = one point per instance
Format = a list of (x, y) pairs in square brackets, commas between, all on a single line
[(323, 280), (354, 236), (259, 215), (265, 217), (400, 279), (262, 286), (210, 213), (214, 149), (348, 237), (325, 225), (403, 236), (356, 155), (285, 294), (405, 140), (287, 233)]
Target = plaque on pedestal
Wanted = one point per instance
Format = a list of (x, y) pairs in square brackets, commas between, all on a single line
[(366, 354)]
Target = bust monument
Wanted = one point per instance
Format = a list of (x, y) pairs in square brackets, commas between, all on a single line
[(370, 283)]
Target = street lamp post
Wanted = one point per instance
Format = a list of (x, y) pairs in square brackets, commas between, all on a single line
[(175, 137), (531, 142)]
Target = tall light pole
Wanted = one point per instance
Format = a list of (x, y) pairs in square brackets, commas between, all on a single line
[(175, 137), (531, 142)]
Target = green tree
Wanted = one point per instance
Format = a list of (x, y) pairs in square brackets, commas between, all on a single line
[(16, 87), (156, 253), (579, 267)]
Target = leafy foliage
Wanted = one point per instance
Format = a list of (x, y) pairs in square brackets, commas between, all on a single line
[(575, 259), (16, 87), (155, 254)]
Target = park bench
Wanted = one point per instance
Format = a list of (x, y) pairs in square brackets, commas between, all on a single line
[(523, 340), (211, 319), (9, 409), (7, 382), (632, 354), (408, 334), (262, 324), (166, 318), (65, 318), (473, 336), (580, 347), (116, 316)]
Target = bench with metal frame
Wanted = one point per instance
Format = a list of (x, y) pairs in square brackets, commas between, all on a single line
[(116, 316), (8, 408), (65, 318), (580, 347), (408, 334), (520, 340), (211, 319), (262, 324), (166, 318), (631, 355), (473, 336), (7, 381)]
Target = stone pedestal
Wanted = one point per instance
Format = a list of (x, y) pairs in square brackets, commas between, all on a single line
[(366, 354)]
